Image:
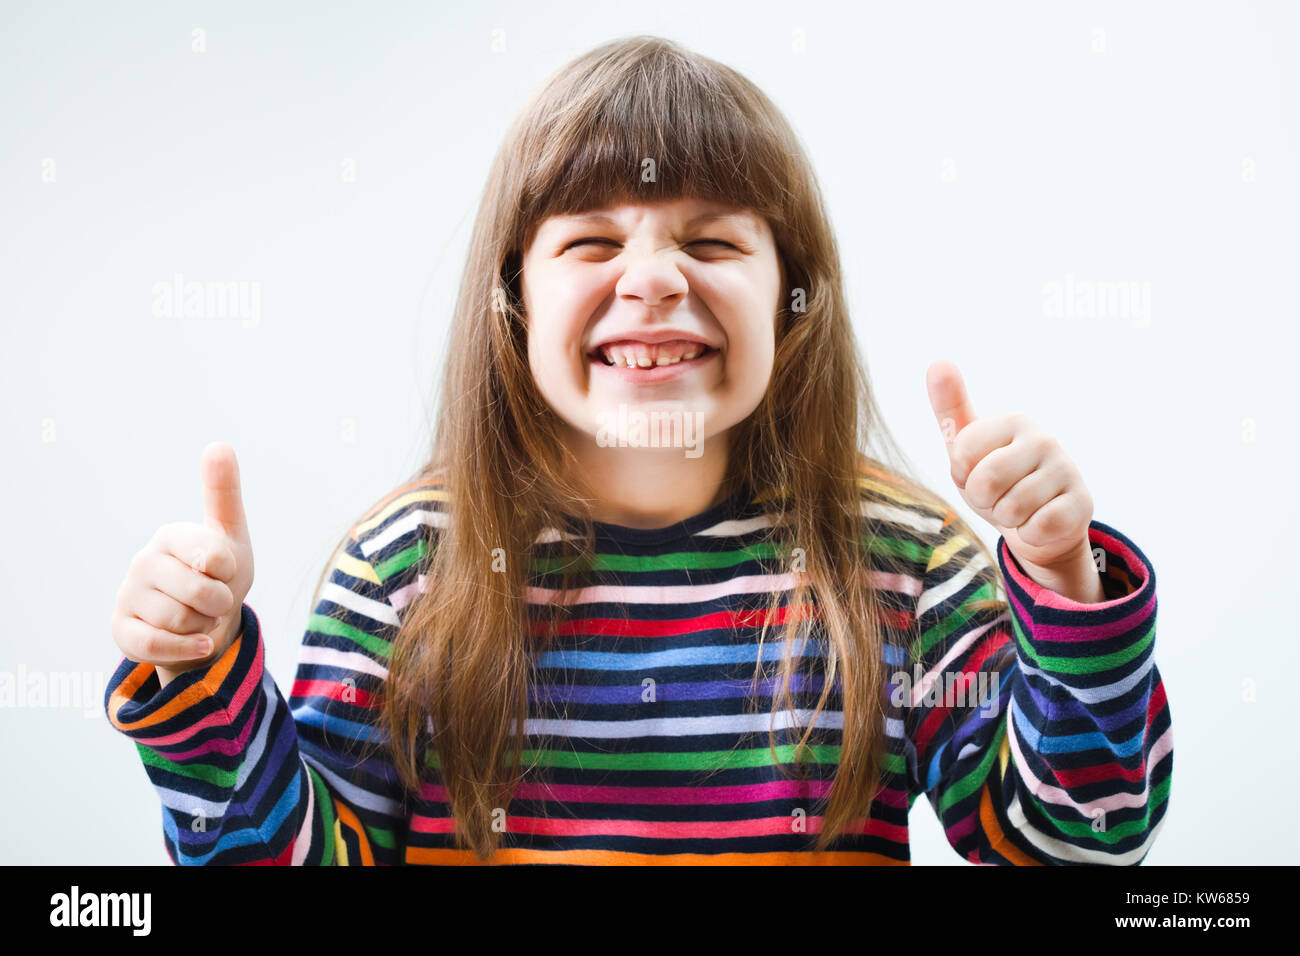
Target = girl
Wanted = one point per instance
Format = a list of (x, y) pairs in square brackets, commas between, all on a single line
[(651, 600)]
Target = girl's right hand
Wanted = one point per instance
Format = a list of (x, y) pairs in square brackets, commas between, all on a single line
[(189, 582)]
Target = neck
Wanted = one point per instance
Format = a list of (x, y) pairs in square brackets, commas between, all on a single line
[(649, 487)]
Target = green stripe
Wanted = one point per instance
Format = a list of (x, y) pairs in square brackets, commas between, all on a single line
[(698, 760), (895, 548), (1080, 828), (1084, 665), (952, 621), (964, 786), (676, 561), (731, 759), (324, 624), (912, 551), (215, 776), (324, 813), (400, 561)]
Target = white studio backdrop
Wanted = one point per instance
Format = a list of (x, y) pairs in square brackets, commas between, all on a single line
[(982, 163)]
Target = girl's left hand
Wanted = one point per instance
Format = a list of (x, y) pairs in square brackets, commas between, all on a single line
[(1016, 477)]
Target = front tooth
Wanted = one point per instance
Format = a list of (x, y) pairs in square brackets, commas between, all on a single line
[(638, 356)]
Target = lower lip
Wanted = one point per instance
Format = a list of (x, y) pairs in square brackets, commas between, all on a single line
[(656, 373)]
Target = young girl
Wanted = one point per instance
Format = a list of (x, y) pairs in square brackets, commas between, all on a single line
[(651, 601)]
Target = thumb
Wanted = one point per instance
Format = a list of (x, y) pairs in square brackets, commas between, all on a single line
[(948, 398), (223, 503)]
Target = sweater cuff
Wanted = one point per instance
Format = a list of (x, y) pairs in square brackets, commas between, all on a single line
[(199, 700), (1072, 640)]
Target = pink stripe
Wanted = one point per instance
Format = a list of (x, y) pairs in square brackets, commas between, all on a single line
[(1043, 597), (674, 796), (1049, 598), (220, 718), (960, 830), (668, 830)]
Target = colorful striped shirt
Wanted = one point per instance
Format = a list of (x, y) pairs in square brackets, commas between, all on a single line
[(1060, 750)]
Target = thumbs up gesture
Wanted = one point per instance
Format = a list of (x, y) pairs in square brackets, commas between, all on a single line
[(180, 605), (1015, 476)]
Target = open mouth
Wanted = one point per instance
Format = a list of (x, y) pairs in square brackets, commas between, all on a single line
[(651, 358)]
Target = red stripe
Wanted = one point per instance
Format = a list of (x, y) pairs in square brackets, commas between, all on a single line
[(333, 690), (639, 627)]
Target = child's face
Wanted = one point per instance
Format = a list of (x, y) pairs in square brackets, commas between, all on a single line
[(642, 271)]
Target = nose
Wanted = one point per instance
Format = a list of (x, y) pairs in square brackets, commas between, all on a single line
[(652, 276)]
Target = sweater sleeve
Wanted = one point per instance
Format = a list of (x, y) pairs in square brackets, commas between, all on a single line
[(246, 778), (1039, 731)]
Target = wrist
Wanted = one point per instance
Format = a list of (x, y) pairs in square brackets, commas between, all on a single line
[(1076, 578)]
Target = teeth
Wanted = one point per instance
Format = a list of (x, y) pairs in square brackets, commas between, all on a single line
[(640, 355)]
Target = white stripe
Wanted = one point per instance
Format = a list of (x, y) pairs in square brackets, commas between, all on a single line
[(302, 844), (257, 746), (1047, 793), (736, 527), (367, 607), (936, 595), (669, 594), (679, 726), (891, 514), (1100, 693), (186, 803), (353, 795), (1068, 851), (406, 524), (732, 528), (353, 661), (936, 673)]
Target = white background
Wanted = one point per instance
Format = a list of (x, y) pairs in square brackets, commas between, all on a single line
[(970, 154)]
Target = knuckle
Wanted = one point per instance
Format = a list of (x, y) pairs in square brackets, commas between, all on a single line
[(226, 596), (182, 589)]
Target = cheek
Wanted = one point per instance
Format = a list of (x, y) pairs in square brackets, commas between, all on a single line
[(749, 318), (555, 330)]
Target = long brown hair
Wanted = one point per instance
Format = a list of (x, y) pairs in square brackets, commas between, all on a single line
[(462, 658)]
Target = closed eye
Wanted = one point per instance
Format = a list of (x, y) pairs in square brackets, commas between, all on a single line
[(579, 242)]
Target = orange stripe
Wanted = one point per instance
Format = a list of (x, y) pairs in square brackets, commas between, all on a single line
[(877, 473), (349, 819), (439, 857), (203, 689), (997, 839), (424, 482)]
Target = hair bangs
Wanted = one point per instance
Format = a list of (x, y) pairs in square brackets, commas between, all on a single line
[(648, 129)]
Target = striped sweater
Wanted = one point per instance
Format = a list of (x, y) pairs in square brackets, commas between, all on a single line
[(1038, 730)]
